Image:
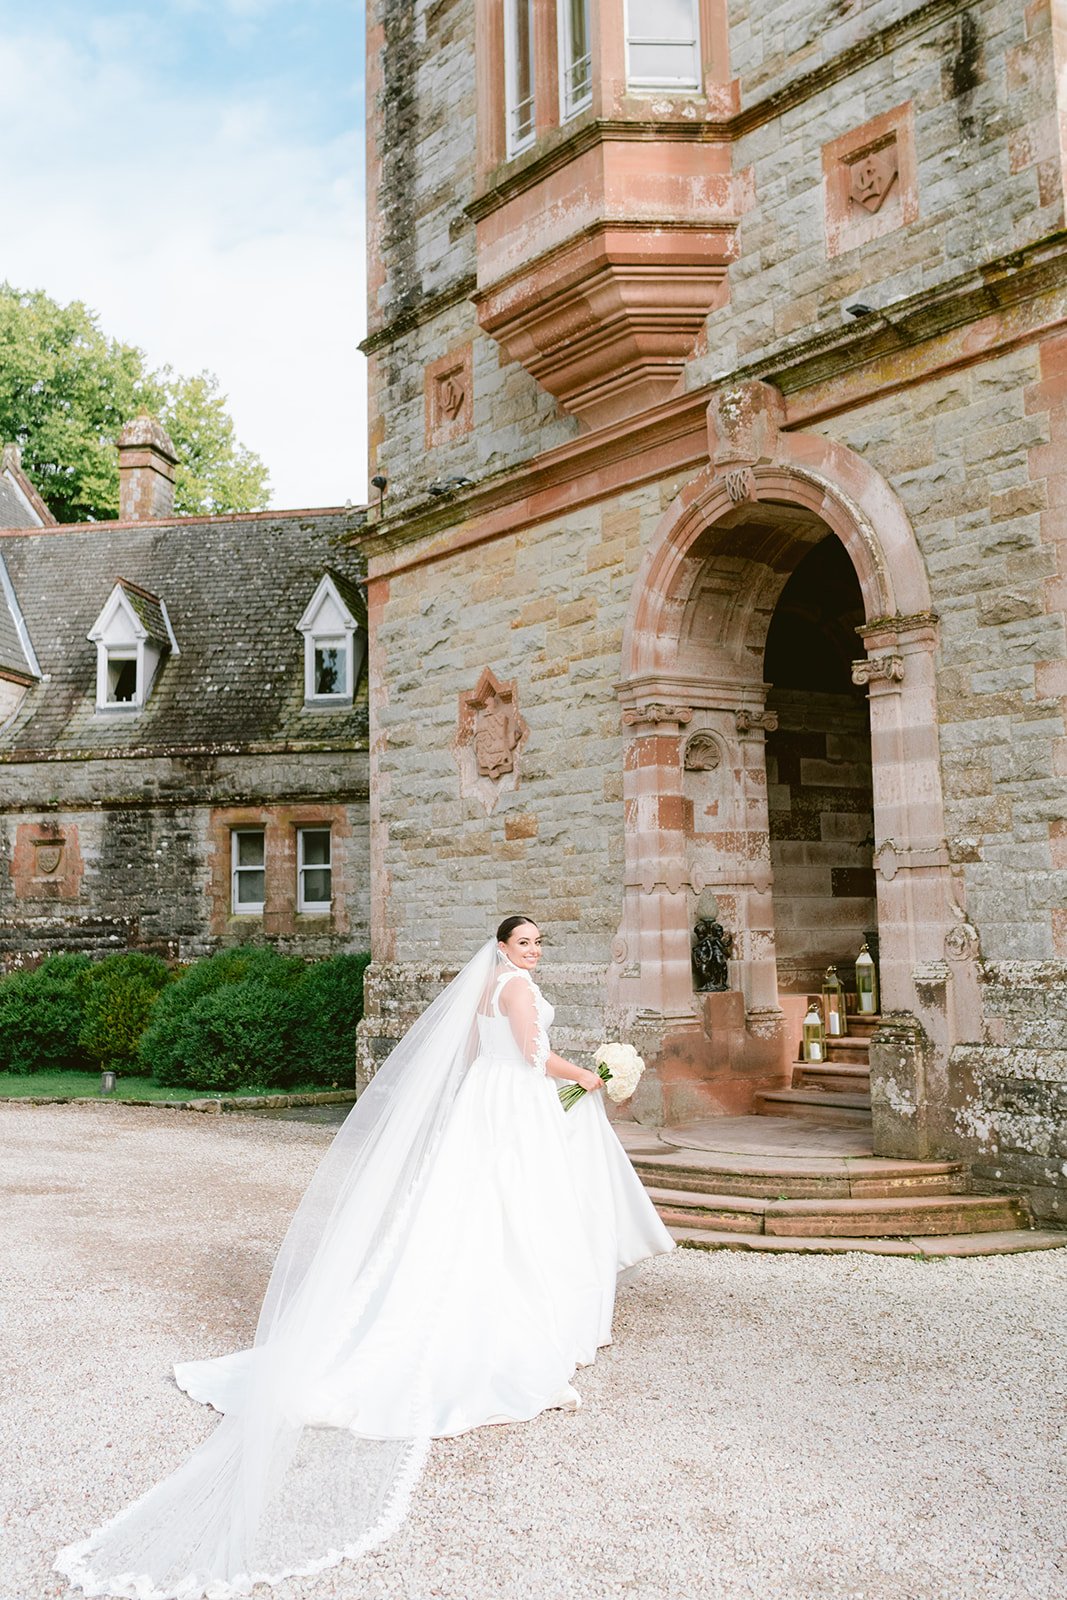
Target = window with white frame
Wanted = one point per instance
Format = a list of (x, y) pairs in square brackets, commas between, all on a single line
[(330, 668), (519, 74), (335, 642), (663, 44), (121, 677), (314, 870), (575, 57), (248, 857)]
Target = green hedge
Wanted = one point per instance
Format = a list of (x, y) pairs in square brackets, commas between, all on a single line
[(244, 1018), (41, 1017)]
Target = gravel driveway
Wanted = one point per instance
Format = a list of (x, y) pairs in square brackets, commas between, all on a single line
[(815, 1428)]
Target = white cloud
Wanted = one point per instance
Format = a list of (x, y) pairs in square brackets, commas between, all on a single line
[(204, 228)]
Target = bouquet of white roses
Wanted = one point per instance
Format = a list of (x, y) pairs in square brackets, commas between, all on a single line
[(619, 1065)]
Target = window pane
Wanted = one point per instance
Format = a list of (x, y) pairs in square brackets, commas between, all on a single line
[(121, 681), (251, 888), (577, 65), (664, 63), (663, 19), (519, 72), (249, 849), (316, 846), (317, 889), (330, 669)]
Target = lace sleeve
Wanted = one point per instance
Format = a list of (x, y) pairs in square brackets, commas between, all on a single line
[(518, 1002)]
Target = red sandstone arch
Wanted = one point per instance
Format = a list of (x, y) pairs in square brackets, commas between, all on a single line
[(692, 658)]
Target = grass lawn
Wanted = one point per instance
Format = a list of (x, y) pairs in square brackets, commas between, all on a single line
[(41, 1085)]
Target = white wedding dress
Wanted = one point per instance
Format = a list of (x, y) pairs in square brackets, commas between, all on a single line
[(491, 1282)]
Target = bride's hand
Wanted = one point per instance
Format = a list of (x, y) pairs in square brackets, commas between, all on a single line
[(588, 1080)]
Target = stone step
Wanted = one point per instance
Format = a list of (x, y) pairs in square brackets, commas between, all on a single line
[(839, 1077), (906, 1216), (848, 1047), (861, 1025), (818, 1105), (774, 1178), (911, 1216), (958, 1244)]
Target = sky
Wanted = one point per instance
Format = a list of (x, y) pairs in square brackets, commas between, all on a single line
[(193, 171)]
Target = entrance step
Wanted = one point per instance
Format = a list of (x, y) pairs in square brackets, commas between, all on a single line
[(959, 1244), (818, 1105), (861, 1024), (848, 1047), (685, 1173), (788, 1184), (840, 1077), (907, 1216)]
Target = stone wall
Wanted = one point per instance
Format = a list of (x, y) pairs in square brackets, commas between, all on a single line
[(146, 866), (955, 399)]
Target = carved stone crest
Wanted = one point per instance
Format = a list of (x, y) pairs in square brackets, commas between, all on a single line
[(47, 854), (489, 740), (872, 176)]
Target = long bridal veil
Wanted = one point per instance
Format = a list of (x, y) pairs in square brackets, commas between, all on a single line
[(271, 1493)]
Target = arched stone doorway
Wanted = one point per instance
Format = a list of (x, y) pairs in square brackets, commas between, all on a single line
[(696, 711)]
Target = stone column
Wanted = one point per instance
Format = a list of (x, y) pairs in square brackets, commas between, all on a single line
[(909, 1053)]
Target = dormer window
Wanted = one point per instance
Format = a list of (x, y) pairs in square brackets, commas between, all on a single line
[(132, 635), (663, 44), (335, 641)]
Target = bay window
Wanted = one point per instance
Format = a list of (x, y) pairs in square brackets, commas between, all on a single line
[(663, 44)]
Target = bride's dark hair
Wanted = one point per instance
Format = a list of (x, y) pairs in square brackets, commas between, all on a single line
[(508, 926)]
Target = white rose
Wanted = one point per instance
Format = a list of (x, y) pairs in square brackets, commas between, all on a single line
[(625, 1066)]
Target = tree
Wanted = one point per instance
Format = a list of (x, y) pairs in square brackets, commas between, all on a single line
[(66, 390)]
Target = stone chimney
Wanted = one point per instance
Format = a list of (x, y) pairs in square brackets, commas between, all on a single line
[(147, 460)]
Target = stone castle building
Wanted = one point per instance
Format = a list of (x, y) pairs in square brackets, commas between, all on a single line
[(718, 364), (183, 724)]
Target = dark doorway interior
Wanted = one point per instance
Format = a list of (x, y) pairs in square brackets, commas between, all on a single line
[(819, 773)]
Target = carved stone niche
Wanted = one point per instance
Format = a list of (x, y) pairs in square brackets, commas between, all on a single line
[(489, 741)]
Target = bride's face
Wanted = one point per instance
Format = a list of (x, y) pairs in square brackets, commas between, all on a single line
[(523, 948)]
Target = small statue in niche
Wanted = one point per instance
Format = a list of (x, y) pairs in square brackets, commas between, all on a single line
[(712, 948)]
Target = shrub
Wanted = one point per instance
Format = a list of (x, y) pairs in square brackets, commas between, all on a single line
[(167, 1047), (241, 1035), (331, 999), (41, 1017), (120, 994)]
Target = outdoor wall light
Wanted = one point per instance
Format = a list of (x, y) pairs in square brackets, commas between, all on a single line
[(380, 483)]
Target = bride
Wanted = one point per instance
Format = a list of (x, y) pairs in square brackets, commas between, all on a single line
[(452, 1263)]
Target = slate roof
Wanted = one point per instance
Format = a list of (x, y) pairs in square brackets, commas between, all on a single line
[(14, 512), (148, 611), (234, 589), (13, 655)]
